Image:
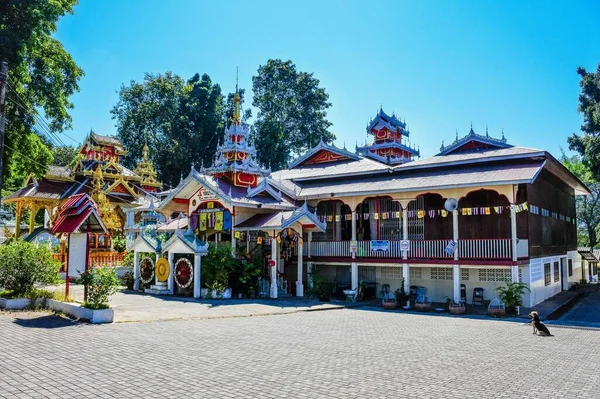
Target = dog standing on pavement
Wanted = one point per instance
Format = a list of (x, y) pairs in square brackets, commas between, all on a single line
[(539, 327)]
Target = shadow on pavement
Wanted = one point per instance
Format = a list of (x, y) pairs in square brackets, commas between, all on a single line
[(47, 321)]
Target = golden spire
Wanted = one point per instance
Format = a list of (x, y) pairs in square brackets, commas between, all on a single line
[(237, 100), (98, 179), (145, 153)]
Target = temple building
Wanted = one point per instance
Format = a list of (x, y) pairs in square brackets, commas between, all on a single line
[(456, 225), (96, 171)]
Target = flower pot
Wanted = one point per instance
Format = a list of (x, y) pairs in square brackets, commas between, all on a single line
[(456, 309), (240, 295), (226, 294), (388, 305), (203, 292), (423, 307), (497, 312)]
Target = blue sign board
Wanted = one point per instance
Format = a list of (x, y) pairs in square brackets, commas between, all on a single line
[(380, 245)]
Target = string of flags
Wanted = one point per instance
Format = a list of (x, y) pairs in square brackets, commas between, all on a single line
[(432, 213)]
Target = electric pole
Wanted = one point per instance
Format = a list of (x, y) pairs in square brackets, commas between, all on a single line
[(3, 84)]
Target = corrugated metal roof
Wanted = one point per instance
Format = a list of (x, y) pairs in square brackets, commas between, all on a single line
[(362, 166), (470, 157), (426, 179)]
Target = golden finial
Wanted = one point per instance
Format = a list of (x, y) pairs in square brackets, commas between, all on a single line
[(236, 102), (145, 150)]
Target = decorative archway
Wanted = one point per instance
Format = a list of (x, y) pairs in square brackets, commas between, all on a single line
[(484, 214)]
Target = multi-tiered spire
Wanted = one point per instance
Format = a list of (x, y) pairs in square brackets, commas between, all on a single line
[(235, 157), (145, 169), (388, 147)]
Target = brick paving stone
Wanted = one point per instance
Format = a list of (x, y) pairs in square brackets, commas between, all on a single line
[(347, 353)]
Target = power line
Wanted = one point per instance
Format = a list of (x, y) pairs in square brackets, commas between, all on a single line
[(39, 118)]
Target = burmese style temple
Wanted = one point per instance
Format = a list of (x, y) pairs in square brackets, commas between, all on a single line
[(459, 223)]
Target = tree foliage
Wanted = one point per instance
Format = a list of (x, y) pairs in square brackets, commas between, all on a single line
[(292, 112), (64, 155), (42, 75), (588, 145), (23, 264), (588, 206), (180, 121)]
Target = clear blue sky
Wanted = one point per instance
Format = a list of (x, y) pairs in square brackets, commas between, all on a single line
[(438, 64)]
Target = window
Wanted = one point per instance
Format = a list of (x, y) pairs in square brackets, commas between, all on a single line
[(391, 272), (520, 275), (415, 273), (570, 267), (556, 272), (366, 273), (342, 275), (495, 275), (464, 274), (441, 273), (547, 275)]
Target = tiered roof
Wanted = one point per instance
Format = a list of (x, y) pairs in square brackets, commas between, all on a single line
[(388, 148), (474, 141), (145, 169), (235, 159)]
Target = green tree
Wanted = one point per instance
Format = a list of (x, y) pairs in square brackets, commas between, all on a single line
[(292, 113), (42, 75), (64, 155), (588, 206), (180, 121), (588, 145)]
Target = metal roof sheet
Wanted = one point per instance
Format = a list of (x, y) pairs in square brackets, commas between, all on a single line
[(426, 179), (319, 171)]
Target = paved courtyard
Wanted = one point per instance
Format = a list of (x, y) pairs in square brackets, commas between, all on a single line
[(348, 353)]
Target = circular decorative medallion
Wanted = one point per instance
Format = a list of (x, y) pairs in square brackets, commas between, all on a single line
[(146, 270), (184, 273), (162, 269)]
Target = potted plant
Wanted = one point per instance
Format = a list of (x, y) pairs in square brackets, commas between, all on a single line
[(455, 307), (512, 295)]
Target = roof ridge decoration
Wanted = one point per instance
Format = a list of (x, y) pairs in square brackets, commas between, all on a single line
[(299, 213), (472, 136), (191, 241), (340, 152), (263, 186)]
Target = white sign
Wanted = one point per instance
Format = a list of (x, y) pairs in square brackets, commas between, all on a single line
[(380, 245), (77, 253), (451, 247), (353, 246), (404, 245)]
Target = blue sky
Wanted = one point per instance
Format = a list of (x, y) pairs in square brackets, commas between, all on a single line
[(440, 65)]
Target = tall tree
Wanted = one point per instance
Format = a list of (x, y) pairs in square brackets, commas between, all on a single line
[(64, 155), (292, 112), (178, 120), (42, 75), (588, 145), (588, 206)]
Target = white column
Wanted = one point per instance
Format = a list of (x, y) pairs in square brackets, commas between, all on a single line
[(299, 285), (354, 265), (274, 267), (157, 257), (513, 232), (136, 271), (247, 242), (233, 243), (456, 282), (309, 242), (405, 266), (514, 273), (456, 267), (171, 281), (197, 260)]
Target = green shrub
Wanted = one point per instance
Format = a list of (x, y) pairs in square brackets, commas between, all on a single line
[(512, 294), (23, 264), (127, 279), (128, 259), (217, 265), (101, 283), (119, 244)]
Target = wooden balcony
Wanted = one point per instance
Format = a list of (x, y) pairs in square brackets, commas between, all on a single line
[(481, 249)]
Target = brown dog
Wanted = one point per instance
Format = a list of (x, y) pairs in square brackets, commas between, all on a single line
[(539, 327)]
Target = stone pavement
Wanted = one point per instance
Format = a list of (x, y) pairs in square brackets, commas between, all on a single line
[(349, 353), (134, 307), (585, 312)]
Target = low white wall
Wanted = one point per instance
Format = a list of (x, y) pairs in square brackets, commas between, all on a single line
[(539, 290)]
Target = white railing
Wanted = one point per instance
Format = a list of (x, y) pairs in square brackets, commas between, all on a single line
[(485, 249), (522, 248), (422, 249)]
